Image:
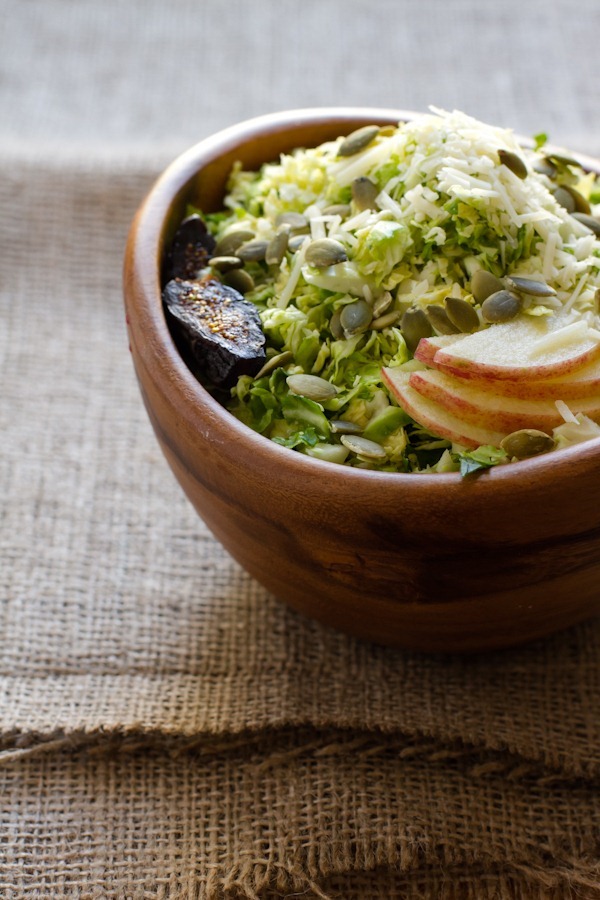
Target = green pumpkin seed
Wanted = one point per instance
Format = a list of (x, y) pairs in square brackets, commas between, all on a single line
[(312, 387), (483, 284), (364, 193), (501, 306), (462, 315), (415, 325), (225, 263), (565, 199), (385, 321), (527, 442), (571, 200), (382, 303), (277, 246), (440, 320), (253, 251), (239, 280), (358, 140), (230, 242), (343, 426), (295, 242), (545, 167), (590, 222), (356, 317), (335, 325), (363, 448), (560, 160), (530, 286), (513, 162), (276, 362), (325, 252)]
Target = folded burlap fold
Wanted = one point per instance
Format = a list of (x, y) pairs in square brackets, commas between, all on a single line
[(167, 728), (323, 815)]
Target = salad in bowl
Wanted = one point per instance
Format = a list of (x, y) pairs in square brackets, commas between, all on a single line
[(418, 298)]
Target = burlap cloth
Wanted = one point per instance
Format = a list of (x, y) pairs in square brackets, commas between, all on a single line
[(167, 728)]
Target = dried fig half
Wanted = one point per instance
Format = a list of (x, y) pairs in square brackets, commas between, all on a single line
[(190, 250), (219, 328)]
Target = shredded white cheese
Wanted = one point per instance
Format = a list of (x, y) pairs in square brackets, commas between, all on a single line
[(290, 286), (563, 337), (565, 412)]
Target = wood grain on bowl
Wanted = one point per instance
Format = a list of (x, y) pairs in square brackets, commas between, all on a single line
[(430, 562)]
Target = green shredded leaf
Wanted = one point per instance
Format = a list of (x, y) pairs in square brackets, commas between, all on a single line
[(482, 458)]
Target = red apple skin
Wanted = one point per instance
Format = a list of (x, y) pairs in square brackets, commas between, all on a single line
[(485, 408), (481, 371), (434, 417), (428, 347), (583, 384)]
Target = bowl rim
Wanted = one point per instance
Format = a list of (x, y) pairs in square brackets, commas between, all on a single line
[(145, 247)]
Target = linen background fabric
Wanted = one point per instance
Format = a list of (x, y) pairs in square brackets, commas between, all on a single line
[(167, 728)]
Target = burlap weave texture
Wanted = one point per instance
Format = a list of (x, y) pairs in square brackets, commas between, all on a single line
[(169, 722)]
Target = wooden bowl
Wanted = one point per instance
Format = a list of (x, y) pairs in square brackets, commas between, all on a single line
[(429, 562)]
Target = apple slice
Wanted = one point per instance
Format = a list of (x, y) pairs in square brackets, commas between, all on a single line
[(523, 349), (582, 384), (486, 408), (434, 417), (428, 347)]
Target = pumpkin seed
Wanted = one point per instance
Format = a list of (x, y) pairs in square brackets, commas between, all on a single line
[(296, 221), (358, 140), (382, 303), (225, 263), (277, 246), (581, 203), (253, 251), (363, 448), (356, 317), (229, 243), (565, 199), (560, 160), (364, 192), (343, 426), (501, 306), (527, 442), (462, 315), (571, 200), (546, 167), (335, 325), (240, 280), (415, 325), (385, 321), (313, 387), (295, 242), (513, 162), (440, 320), (590, 222), (530, 286), (483, 284), (325, 252), (276, 362)]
